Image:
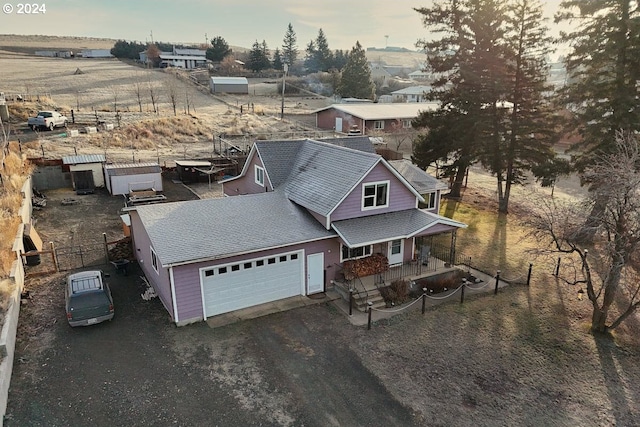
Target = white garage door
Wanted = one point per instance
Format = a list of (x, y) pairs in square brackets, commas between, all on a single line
[(244, 284)]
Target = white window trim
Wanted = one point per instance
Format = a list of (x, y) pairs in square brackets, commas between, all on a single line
[(358, 257), (255, 173), (154, 260), (427, 199), (406, 124), (378, 122), (368, 184)]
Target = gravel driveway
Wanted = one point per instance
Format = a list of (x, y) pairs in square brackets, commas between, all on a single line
[(292, 368)]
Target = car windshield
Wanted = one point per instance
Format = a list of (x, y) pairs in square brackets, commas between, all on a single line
[(89, 299), (45, 114)]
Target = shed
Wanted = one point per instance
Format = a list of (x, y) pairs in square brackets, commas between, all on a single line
[(124, 178), (229, 85), (192, 170), (86, 172), (96, 53)]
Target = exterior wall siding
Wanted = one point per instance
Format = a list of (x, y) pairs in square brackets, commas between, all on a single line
[(121, 184), (187, 277), (141, 248), (247, 184), (400, 197), (327, 120)]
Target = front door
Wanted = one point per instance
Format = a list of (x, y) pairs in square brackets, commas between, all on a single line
[(315, 273), (395, 254), (338, 124)]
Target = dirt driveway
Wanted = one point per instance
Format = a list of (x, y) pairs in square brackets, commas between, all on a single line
[(293, 368)]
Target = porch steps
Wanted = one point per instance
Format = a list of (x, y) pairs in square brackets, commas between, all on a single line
[(361, 300)]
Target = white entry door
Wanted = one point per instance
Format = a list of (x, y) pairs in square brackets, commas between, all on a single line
[(338, 124), (315, 273), (395, 254)]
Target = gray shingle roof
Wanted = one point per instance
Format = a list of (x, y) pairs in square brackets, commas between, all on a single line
[(419, 179), (83, 159), (185, 232), (324, 173), (388, 226)]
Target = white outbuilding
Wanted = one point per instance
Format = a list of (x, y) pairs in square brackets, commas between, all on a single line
[(229, 85), (125, 178)]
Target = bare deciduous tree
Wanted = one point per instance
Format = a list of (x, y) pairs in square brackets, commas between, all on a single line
[(607, 267), (138, 90), (115, 95), (171, 87), (154, 93)]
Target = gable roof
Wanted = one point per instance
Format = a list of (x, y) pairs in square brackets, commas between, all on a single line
[(413, 90), (419, 179), (382, 111), (205, 226)]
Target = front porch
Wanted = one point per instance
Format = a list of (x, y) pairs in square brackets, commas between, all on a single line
[(366, 289)]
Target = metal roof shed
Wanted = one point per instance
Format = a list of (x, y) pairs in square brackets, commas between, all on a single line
[(229, 85), (124, 178), (86, 172)]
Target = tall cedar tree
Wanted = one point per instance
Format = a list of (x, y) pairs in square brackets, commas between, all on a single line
[(323, 55), (258, 59), (289, 47), (470, 58), (531, 125), (355, 81), (604, 68), (310, 59), (219, 49)]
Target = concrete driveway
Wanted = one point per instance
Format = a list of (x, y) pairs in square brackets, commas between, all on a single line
[(291, 368)]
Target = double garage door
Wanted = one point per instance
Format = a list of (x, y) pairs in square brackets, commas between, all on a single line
[(244, 284)]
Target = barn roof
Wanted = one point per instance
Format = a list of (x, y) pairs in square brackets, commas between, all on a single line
[(83, 159)]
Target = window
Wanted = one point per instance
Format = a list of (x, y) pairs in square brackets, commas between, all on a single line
[(430, 201), (154, 260), (378, 124), (260, 263), (271, 261), (222, 270), (208, 273), (283, 258), (406, 123), (375, 195), (248, 265), (235, 267), (259, 172), (293, 256), (355, 253)]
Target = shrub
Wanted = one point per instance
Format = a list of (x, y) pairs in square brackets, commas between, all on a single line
[(396, 293)]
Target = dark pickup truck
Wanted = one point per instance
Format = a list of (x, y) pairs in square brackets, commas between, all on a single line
[(88, 298)]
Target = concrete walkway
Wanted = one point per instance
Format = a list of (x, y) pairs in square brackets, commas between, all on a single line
[(357, 318)]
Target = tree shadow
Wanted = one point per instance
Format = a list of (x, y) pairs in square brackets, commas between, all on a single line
[(621, 389)]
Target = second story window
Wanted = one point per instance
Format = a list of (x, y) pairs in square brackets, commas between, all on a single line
[(375, 195), (259, 176)]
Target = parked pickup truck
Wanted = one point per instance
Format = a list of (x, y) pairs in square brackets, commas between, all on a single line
[(47, 120)]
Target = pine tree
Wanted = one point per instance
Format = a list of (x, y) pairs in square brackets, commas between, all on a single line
[(324, 57), (277, 59), (258, 59), (604, 68), (356, 76), (219, 49), (340, 58), (310, 59), (289, 47)]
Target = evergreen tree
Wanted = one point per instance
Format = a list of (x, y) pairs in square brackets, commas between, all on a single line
[(355, 81), (219, 49), (265, 55), (277, 59), (289, 47), (258, 59), (604, 68), (324, 57), (128, 50), (531, 125), (340, 58), (310, 62)]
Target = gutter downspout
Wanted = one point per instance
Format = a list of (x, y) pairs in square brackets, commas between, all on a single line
[(173, 296)]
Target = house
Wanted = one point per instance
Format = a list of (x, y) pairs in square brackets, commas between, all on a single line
[(182, 61), (369, 117), (412, 94), (229, 85), (296, 213), (189, 52)]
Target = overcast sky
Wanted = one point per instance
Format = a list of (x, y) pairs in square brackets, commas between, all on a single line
[(239, 22)]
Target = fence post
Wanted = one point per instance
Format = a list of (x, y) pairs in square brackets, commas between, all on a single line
[(350, 301), (53, 257), (106, 248), (370, 304), (424, 300), (557, 268), (495, 292), (529, 275), (464, 283)]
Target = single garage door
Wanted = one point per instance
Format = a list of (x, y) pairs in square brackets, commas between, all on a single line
[(244, 284)]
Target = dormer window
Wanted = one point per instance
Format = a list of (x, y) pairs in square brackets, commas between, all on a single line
[(259, 173), (375, 195)]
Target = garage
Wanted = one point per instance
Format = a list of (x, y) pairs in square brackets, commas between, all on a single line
[(247, 283)]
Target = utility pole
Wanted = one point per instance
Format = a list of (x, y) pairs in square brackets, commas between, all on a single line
[(286, 68)]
